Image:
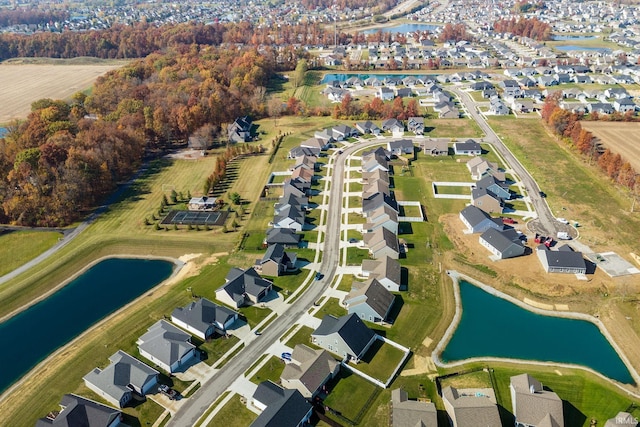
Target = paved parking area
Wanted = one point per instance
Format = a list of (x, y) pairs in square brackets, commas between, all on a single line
[(612, 264)]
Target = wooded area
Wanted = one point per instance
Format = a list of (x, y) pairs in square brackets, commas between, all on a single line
[(66, 157), (532, 28)]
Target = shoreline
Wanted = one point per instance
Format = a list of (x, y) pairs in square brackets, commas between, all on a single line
[(179, 267), (456, 276)]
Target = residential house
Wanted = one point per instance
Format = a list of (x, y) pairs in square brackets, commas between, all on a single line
[(204, 318), (371, 187), (79, 411), (478, 221), (243, 287), (384, 216), (399, 147), (622, 419), (486, 200), (416, 125), (467, 148), (369, 178), (382, 242), (167, 346), (616, 92), (564, 260), (304, 161), (368, 127), (403, 92), (394, 126), (342, 132), (284, 236), (522, 105), (623, 105), (303, 151), (411, 413), (276, 261), (386, 270), (124, 376), (326, 136), (481, 85), (280, 407), (318, 144), (448, 112), (533, 406), (385, 93), (303, 174), (377, 159), (303, 186), (502, 244), (202, 203), (240, 130), (600, 108), (494, 186), (335, 94), (347, 336), (370, 300), (290, 217), (498, 107), (309, 370), (479, 167), (435, 147), (292, 197), (471, 407), (374, 202)]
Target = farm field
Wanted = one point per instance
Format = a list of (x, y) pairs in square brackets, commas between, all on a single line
[(30, 82), (621, 138)]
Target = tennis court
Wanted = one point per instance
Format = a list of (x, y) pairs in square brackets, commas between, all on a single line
[(196, 218)]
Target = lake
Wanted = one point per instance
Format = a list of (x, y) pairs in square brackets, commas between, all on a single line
[(344, 76), (565, 37), (33, 334), (403, 28), (494, 327), (569, 47)]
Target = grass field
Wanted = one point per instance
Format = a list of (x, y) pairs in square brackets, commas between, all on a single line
[(233, 414), (18, 247), (26, 83), (620, 138)]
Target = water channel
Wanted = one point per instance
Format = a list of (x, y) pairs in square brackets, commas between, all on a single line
[(33, 334), (494, 327), (403, 28)]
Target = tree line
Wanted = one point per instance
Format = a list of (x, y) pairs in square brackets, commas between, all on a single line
[(532, 28), (65, 157), (566, 125)]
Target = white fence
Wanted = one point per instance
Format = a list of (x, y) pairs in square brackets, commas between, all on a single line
[(405, 350), (411, 218), (434, 186)]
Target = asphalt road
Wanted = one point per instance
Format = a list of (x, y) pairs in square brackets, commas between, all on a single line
[(210, 390), (546, 222)]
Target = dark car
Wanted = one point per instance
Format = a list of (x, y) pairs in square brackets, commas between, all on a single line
[(319, 275), (542, 194)]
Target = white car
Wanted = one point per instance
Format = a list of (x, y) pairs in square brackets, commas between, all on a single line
[(562, 220)]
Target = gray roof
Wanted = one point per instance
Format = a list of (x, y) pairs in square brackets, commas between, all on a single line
[(475, 216), (374, 202), (563, 257), (411, 413), (285, 236), (123, 370), (533, 403), (288, 411), (380, 235), (203, 313), (473, 407), (350, 328), (277, 254), (501, 240), (372, 294), (468, 145), (240, 282), (268, 392), (80, 412), (291, 212), (165, 342), (385, 267), (401, 144)]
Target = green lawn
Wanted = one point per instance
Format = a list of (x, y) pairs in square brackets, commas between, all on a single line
[(380, 361), (356, 255), (352, 395), (233, 414), (271, 370), (289, 282), (18, 247), (459, 189), (450, 128), (215, 348), (331, 306), (303, 336), (345, 283), (355, 218)]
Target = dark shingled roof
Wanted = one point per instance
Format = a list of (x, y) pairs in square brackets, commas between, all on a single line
[(287, 411), (285, 236), (501, 240), (475, 216), (203, 313), (350, 328), (80, 412), (374, 295)]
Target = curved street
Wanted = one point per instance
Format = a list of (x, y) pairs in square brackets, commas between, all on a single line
[(546, 222), (193, 407)]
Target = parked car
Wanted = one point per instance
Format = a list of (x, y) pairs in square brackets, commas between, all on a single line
[(167, 391), (542, 194), (562, 220), (319, 276)]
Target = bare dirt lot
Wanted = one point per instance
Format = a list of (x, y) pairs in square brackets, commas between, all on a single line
[(621, 138), (24, 83)]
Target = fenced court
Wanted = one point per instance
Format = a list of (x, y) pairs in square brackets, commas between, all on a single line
[(196, 217)]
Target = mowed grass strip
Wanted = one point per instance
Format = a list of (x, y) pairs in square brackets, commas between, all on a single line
[(19, 247), (270, 371), (380, 361), (233, 414)]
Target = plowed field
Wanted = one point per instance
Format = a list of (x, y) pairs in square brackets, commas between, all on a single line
[(621, 138)]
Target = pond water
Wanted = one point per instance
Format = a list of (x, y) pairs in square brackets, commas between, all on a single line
[(3, 132), (33, 334), (569, 47), (566, 37), (494, 327), (344, 76), (403, 28)]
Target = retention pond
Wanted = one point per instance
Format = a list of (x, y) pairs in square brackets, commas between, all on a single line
[(494, 327), (33, 334)]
